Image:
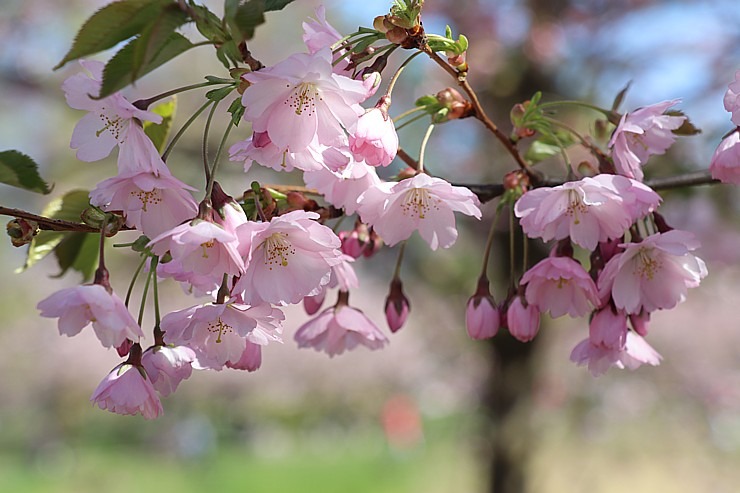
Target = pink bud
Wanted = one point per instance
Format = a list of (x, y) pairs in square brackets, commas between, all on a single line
[(124, 348), (482, 318), (640, 322), (523, 320), (312, 303), (351, 244), (396, 306)]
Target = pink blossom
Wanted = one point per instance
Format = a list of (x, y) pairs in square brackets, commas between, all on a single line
[(318, 33), (343, 187), (725, 165), (374, 138), (167, 366), (201, 248), (79, 306), (653, 274), (259, 148), (218, 332), (608, 328), (523, 320), (644, 132), (599, 358), (482, 318), (151, 203), (127, 390), (138, 155), (286, 259), (340, 328), (732, 99), (420, 203), (250, 360), (313, 303), (560, 285), (300, 99), (589, 211), (109, 119)]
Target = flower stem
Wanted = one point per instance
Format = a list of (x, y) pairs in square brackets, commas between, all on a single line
[(143, 104), (410, 121), (133, 280), (424, 143), (212, 176), (101, 273), (155, 290), (489, 242), (512, 269), (395, 77), (406, 113), (204, 147), (179, 133), (580, 104), (143, 299), (399, 261)]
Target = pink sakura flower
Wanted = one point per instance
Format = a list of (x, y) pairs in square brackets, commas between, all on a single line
[(109, 119), (725, 165), (560, 285), (202, 248), (137, 154), (653, 274), (79, 306), (482, 318), (522, 319), (167, 366), (589, 211), (342, 275), (641, 134), (259, 148), (250, 360), (420, 203), (288, 258), (151, 203), (608, 329), (218, 332), (318, 33), (301, 99), (343, 187), (374, 138), (732, 99), (340, 328), (599, 358), (191, 282), (127, 390)]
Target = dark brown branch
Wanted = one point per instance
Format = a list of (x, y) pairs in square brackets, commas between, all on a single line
[(51, 224)]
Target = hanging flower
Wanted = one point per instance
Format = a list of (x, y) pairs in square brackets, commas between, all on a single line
[(127, 390)]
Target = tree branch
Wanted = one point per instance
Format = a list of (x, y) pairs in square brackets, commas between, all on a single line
[(51, 224)]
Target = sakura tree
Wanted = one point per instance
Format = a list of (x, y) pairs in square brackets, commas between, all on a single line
[(328, 115)]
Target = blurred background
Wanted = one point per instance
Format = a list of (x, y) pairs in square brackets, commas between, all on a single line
[(434, 411)]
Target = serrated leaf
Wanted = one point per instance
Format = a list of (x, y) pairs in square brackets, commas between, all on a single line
[(110, 25), (248, 16), (68, 207), (237, 111), (155, 35), (220, 93), (272, 5), (19, 170), (78, 251), (208, 24), (118, 72), (228, 54), (158, 132)]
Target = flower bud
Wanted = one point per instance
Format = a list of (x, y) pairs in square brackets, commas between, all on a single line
[(124, 348), (21, 231), (312, 303), (482, 318), (640, 322), (523, 320), (380, 24), (397, 35), (396, 306)]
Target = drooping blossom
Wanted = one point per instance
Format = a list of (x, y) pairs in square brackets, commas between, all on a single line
[(374, 139), (319, 34), (560, 285), (287, 258), (340, 328), (343, 275), (635, 352), (653, 274), (343, 187), (127, 390), (80, 306), (300, 99), (732, 99), (218, 332), (522, 319), (482, 317), (589, 211), (360, 241), (167, 366), (250, 360), (608, 329), (725, 165), (260, 149), (138, 154), (644, 132), (420, 203), (109, 119)]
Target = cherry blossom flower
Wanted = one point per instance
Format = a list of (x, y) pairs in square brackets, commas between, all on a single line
[(340, 328), (109, 119), (608, 329), (420, 203), (599, 358), (732, 99), (286, 259), (725, 165), (374, 138), (589, 211), (560, 285), (522, 319), (644, 132), (300, 99), (218, 332), (318, 33), (653, 274), (127, 390), (343, 187), (167, 366), (482, 318), (138, 154), (79, 306), (260, 149)]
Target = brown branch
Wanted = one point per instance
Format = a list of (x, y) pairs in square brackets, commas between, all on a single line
[(404, 156), (51, 224)]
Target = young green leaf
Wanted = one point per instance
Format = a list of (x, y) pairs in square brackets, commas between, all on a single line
[(158, 132), (271, 5), (21, 171), (248, 16), (155, 35), (112, 24), (78, 251), (237, 111), (208, 24)]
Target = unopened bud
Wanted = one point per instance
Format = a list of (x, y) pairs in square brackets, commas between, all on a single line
[(523, 320), (482, 318), (21, 231), (640, 322), (397, 35), (93, 217), (458, 61), (296, 200), (124, 348), (380, 24), (396, 306)]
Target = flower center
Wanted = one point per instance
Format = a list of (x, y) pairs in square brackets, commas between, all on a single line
[(154, 198), (575, 206), (563, 282), (208, 244), (114, 125), (277, 250), (647, 266), (418, 202), (221, 327), (303, 99)]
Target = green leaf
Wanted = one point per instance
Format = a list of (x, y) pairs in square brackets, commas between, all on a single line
[(220, 93), (158, 132), (271, 5), (21, 171), (687, 128), (620, 96), (118, 71), (155, 35), (112, 24), (540, 151), (208, 24), (78, 251), (237, 111), (68, 207), (248, 16)]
